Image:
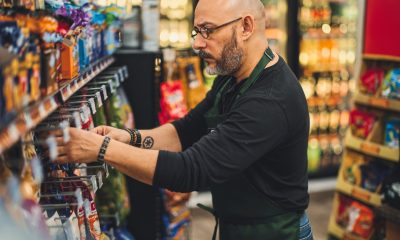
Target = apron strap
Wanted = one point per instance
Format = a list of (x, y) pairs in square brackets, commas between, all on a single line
[(212, 211), (265, 59)]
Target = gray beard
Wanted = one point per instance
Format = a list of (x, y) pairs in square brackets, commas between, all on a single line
[(231, 59)]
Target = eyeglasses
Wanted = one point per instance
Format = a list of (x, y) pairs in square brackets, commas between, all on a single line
[(205, 32)]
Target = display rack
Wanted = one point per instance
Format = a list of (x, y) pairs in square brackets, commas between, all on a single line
[(29, 117), (369, 149)]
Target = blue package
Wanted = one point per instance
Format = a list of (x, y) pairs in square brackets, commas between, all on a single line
[(392, 133), (391, 84)]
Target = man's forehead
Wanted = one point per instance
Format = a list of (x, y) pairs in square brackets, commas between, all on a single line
[(208, 14)]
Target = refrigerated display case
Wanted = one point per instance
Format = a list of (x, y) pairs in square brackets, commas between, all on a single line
[(326, 60), (276, 25)]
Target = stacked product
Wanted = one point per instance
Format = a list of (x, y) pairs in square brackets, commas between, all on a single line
[(326, 62)]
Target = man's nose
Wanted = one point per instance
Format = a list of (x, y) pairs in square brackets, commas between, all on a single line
[(199, 43)]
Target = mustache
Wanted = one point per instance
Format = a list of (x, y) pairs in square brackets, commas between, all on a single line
[(204, 54)]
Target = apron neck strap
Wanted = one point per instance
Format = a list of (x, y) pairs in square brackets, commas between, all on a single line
[(265, 59)]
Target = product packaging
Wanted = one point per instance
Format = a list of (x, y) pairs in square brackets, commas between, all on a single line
[(361, 123), (392, 133), (391, 84)]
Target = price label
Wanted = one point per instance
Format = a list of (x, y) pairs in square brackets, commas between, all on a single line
[(99, 101), (13, 132), (77, 120), (379, 102), (28, 120), (87, 112), (106, 170), (37, 168), (69, 90), (117, 81), (368, 148), (42, 110), (100, 179), (79, 198), (83, 114), (52, 144), (53, 103), (92, 105), (111, 86), (125, 70), (360, 194), (103, 87), (86, 206), (94, 183)]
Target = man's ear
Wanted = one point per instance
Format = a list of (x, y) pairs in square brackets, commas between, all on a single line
[(248, 27)]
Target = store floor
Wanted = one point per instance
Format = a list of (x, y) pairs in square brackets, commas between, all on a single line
[(319, 211)]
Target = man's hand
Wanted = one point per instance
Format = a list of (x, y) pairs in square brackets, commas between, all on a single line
[(114, 133), (82, 147)]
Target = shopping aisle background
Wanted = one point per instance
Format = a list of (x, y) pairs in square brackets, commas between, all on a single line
[(319, 211)]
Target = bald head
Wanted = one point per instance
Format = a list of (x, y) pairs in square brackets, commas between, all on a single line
[(223, 10)]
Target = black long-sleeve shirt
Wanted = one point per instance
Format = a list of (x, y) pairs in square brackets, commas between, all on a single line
[(264, 136)]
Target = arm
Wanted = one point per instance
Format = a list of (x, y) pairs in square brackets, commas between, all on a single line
[(164, 137), (175, 136)]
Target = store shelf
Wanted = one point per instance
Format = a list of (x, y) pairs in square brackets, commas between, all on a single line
[(71, 87), (379, 102), (358, 193), (381, 57), (371, 148), (28, 118)]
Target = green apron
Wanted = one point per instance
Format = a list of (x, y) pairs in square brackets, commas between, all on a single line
[(240, 210)]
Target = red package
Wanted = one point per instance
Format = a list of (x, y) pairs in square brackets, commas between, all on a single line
[(172, 103), (363, 219), (371, 80), (361, 123)]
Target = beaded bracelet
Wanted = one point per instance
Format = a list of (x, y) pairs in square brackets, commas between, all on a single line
[(138, 139), (103, 148), (133, 138)]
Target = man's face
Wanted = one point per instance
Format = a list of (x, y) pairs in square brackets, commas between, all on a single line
[(221, 50), (229, 60)]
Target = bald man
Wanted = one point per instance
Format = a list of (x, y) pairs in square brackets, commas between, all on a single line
[(246, 141)]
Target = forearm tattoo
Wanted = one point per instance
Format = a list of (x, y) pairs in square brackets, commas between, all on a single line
[(148, 142)]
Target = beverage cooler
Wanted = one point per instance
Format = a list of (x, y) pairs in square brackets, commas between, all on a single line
[(317, 38)]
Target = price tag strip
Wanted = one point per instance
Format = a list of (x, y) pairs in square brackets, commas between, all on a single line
[(79, 198), (103, 87), (99, 101), (92, 105), (28, 119), (94, 183), (77, 120), (42, 111), (100, 179), (52, 144), (13, 132)]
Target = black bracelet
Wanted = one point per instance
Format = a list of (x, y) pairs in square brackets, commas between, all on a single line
[(132, 141), (138, 139), (102, 152)]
